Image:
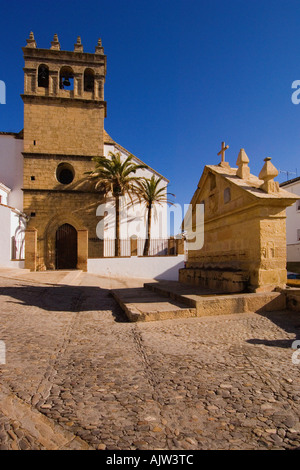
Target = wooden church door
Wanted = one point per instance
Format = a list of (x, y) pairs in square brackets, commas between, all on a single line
[(66, 247)]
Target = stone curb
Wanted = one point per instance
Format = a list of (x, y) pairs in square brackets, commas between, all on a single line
[(49, 434)]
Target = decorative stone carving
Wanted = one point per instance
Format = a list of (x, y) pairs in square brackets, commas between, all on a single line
[(31, 41), (78, 47), (267, 174), (55, 43), (242, 164), (99, 49)]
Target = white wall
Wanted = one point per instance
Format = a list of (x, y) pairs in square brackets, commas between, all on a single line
[(292, 215), (136, 215), (4, 195), (5, 240), (293, 253), (163, 268), (12, 229), (11, 168), (17, 233)]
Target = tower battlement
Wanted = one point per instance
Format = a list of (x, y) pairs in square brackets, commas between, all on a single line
[(66, 74)]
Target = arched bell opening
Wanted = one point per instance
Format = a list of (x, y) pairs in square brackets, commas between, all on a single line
[(66, 78), (89, 80), (43, 76)]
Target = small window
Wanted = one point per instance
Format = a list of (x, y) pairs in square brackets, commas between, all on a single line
[(213, 183), (65, 173), (298, 205), (32, 178), (32, 214), (43, 76), (227, 195)]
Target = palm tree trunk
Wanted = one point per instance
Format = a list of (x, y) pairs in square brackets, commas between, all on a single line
[(117, 239), (147, 242)]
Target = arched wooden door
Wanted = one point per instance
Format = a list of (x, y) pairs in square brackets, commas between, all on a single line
[(66, 247)]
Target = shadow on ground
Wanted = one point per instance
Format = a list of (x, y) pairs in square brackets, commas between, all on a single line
[(64, 298), (288, 321)]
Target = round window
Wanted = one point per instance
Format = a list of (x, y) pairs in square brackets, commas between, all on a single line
[(65, 173)]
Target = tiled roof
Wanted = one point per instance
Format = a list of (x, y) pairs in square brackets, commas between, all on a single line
[(294, 180)]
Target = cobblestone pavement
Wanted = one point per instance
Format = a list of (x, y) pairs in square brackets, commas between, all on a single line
[(200, 383)]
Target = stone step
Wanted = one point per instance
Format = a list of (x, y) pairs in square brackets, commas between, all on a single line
[(141, 304), (182, 292), (208, 302)]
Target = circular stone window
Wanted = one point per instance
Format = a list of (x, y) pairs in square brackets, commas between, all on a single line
[(65, 173)]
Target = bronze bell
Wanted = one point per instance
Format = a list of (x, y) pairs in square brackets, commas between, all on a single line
[(66, 82)]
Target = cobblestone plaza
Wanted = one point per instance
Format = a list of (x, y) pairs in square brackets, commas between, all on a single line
[(79, 375)]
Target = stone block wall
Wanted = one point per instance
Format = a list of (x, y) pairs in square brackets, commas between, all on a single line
[(244, 234)]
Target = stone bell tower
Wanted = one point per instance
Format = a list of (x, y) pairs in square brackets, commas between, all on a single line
[(64, 111)]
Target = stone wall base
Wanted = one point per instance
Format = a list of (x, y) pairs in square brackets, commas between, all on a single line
[(223, 281)]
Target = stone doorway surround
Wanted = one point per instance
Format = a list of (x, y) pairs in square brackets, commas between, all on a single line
[(40, 252)]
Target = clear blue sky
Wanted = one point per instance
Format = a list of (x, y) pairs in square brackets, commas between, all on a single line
[(183, 75)]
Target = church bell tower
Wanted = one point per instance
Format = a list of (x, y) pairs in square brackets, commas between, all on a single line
[(64, 111)]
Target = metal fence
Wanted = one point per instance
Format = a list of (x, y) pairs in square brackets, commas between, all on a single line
[(109, 248), (158, 247)]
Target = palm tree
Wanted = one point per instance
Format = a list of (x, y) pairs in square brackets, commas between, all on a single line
[(116, 176), (150, 193)]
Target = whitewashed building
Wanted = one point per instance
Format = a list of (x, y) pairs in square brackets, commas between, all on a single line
[(13, 221), (293, 225), (134, 216)]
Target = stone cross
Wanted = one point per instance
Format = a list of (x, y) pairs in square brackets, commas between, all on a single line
[(222, 152)]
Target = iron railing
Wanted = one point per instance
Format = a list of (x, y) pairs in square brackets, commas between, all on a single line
[(158, 247)]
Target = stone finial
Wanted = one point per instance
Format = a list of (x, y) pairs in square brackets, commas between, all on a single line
[(78, 47), (31, 41), (267, 174), (243, 170), (99, 49), (55, 43)]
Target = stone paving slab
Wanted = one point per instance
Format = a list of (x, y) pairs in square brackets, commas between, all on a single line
[(140, 304)]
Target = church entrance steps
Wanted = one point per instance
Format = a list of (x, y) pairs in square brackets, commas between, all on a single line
[(72, 278), (12, 272), (140, 304), (61, 277), (209, 302)]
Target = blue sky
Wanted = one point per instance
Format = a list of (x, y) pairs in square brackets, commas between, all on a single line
[(183, 76)]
